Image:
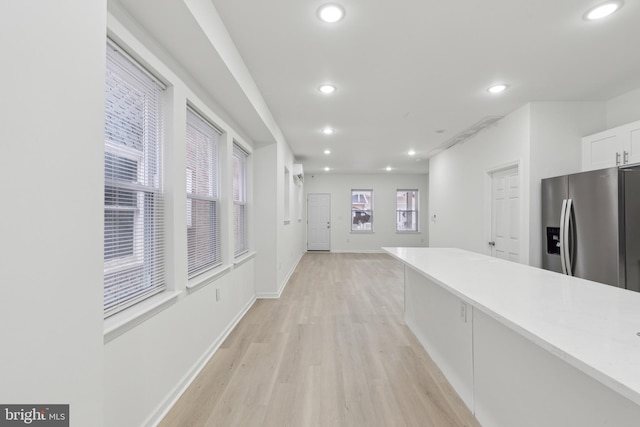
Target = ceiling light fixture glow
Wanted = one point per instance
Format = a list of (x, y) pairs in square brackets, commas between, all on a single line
[(331, 13), (388, 168), (603, 10), (498, 88), (327, 169), (412, 152), (327, 151), (327, 89), (328, 131)]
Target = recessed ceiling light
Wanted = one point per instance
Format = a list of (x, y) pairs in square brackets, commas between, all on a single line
[(327, 169), (388, 168), (603, 10), (497, 88), (328, 131), (327, 89), (412, 152), (327, 151), (331, 13)]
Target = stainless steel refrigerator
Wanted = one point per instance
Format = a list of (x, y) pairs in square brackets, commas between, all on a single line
[(591, 226)]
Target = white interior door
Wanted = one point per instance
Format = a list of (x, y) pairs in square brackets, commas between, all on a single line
[(319, 222), (505, 214)]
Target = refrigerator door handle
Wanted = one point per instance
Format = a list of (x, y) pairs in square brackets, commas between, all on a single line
[(567, 246), (563, 214)]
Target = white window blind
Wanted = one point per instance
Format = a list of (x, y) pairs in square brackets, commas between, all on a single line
[(203, 224), (240, 200), (407, 210), (133, 201)]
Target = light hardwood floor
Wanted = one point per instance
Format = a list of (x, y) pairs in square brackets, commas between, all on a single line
[(332, 351)]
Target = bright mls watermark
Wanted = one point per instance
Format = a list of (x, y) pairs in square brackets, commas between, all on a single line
[(34, 415)]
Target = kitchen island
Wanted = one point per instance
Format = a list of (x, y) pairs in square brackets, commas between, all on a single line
[(524, 346)]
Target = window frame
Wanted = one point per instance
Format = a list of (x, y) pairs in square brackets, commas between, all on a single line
[(370, 210), (415, 211), (240, 202), (137, 257), (128, 287), (201, 124)]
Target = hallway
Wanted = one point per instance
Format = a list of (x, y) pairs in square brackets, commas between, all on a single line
[(332, 351)]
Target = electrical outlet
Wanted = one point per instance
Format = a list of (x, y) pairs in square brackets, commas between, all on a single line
[(217, 294)]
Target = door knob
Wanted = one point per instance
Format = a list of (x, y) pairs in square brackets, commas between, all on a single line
[(492, 243)]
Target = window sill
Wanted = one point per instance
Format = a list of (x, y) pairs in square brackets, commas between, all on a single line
[(120, 323), (408, 232), (208, 277), (244, 258)]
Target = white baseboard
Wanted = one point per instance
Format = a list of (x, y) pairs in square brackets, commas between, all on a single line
[(276, 295), (372, 251), (164, 407)]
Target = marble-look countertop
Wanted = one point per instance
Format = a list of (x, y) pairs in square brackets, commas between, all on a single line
[(590, 325)]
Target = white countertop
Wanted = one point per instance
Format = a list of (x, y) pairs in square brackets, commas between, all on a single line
[(589, 325)]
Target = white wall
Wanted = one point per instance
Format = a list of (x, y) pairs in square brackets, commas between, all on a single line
[(384, 188), (544, 138), (147, 367), (557, 129), (279, 244), (459, 184), (290, 245), (623, 109), (52, 132), (266, 217)]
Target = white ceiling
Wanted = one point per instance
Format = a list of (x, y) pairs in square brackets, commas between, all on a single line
[(404, 69)]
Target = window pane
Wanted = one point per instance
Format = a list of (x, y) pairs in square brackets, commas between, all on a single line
[(125, 111), (118, 234), (239, 200), (407, 210), (203, 230), (114, 196), (239, 226), (361, 210), (133, 218), (203, 241), (118, 168)]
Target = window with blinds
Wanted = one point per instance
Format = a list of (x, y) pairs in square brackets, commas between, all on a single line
[(407, 211), (133, 200), (203, 224), (240, 200)]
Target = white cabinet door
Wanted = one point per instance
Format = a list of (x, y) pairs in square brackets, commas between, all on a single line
[(633, 147), (601, 150), (614, 147)]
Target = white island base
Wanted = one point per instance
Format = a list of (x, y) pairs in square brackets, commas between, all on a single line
[(524, 346)]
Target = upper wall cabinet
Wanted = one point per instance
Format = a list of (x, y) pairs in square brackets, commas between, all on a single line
[(614, 147)]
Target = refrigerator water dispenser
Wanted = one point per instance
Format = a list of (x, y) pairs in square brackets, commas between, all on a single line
[(553, 240)]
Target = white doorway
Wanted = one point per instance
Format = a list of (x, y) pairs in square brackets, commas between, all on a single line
[(318, 222), (505, 214)]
